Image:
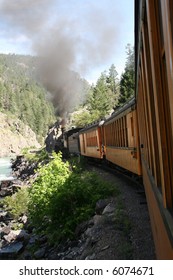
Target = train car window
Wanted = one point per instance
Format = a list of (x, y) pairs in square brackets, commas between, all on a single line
[(132, 126), (158, 41), (112, 133), (127, 144), (165, 104), (122, 123), (124, 129), (91, 139), (107, 135), (107, 132), (147, 113), (120, 133), (123, 135), (171, 19), (83, 140), (151, 106), (116, 134), (119, 129), (160, 27)]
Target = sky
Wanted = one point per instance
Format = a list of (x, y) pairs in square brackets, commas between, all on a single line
[(86, 36)]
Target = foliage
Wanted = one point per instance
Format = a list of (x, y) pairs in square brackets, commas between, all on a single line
[(17, 204), (35, 156), (60, 199), (101, 99), (22, 95), (81, 118), (127, 81), (113, 81)]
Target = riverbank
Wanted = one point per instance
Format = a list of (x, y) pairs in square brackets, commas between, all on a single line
[(119, 228), (13, 236)]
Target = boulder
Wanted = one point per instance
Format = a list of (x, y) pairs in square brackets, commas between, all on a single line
[(3, 216), (109, 209), (5, 231), (11, 250), (100, 205), (39, 254)]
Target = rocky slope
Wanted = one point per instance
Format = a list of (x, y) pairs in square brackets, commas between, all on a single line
[(14, 136), (113, 233)]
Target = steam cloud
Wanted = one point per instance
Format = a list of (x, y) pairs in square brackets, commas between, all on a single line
[(63, 44)]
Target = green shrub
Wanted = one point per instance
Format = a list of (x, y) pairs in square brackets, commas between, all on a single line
[(35, 156), (17, 204), (51, 178), (60, 199)]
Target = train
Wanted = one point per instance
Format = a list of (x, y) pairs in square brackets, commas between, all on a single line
[(138, 137)]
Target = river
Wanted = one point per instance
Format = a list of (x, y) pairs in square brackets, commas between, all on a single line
[(5, 169)]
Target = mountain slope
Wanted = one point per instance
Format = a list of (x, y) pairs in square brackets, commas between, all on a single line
[(22, 95), (15, 135)]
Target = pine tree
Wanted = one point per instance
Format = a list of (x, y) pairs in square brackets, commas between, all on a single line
[(113, 82), (103, 98), (21, 95), (127, 81)]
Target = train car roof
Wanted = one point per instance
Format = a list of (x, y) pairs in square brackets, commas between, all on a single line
[(92, 125), (128, 106), (72, 131)]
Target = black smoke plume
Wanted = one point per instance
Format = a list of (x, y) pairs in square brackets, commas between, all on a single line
[(65, 45)]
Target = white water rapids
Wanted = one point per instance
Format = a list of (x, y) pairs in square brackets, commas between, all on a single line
[(5, 169)]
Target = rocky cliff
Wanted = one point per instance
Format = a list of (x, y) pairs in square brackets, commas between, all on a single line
[(15, 135)]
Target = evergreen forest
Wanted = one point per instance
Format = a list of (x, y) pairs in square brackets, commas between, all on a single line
[(109, 93), (22, 95)]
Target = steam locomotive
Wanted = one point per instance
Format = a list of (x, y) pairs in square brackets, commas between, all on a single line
[(139, 136)]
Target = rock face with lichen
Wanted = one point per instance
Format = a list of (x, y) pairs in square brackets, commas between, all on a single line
[(14, 136)]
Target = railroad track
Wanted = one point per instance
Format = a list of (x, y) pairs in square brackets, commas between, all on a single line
[(120, 172)]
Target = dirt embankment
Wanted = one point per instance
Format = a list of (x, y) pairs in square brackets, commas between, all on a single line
[(14, 136)]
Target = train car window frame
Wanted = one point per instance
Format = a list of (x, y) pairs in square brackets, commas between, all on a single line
[(166, 101), (171, 19), (151, 108), (91, 139), (157, 52)]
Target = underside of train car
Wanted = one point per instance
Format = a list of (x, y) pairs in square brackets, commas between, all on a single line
[(154, 95), (121, 140), (90, 139)]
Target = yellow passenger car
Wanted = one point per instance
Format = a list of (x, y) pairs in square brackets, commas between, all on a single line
[(154, 95), (91, 142), (121, 139)]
